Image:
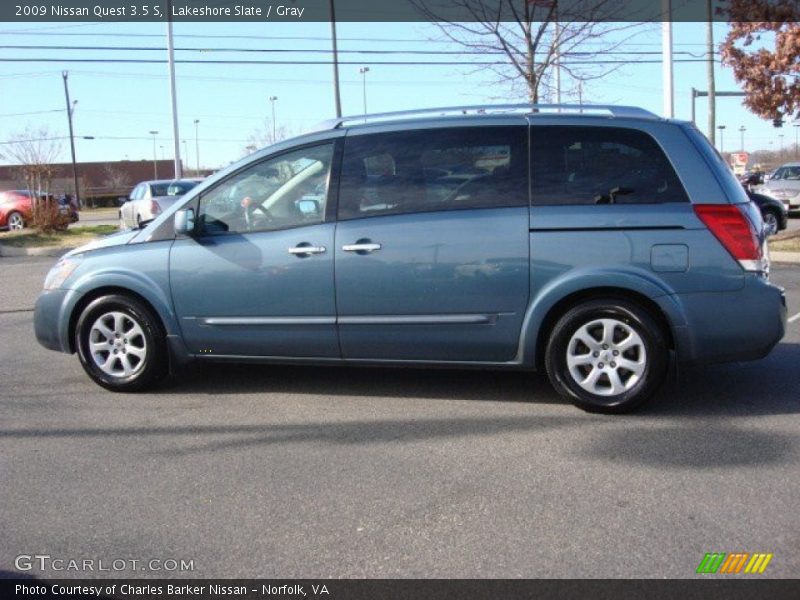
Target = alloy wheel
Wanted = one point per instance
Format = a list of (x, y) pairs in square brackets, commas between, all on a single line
[(606, 357), (117, 344)]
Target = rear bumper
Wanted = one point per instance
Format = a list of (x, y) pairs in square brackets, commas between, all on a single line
[(732, 326)]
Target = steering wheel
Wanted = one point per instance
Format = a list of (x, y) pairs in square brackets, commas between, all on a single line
[(255, 214)]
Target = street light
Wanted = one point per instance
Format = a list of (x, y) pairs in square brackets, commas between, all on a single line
[(364, 71), (721, 139), (796, 129), (780, 137), (155, 158), (272, 100), (742, 129), (162, 151), (197, 147), (186, 153)]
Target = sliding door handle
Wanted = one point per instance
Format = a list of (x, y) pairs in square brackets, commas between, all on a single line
[(302, 251), (362, 247)]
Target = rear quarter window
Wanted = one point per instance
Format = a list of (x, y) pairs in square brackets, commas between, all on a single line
[(600, 165)]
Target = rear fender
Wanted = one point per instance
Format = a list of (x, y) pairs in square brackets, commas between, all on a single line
[(605, 281)]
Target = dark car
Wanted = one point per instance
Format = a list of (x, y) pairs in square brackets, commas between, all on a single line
[(773, 212), (751, 178), (68, 207)]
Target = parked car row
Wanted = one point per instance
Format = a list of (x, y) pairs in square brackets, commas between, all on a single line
[(16, 208)]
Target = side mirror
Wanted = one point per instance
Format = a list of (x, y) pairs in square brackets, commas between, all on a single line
[(307, 206), (184, 221)]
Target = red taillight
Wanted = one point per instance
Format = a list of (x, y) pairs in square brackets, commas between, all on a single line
[(734, 230), (154, 207)]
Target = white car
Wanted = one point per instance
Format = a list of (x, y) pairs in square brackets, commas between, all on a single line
[(150, 198), (784, 185)]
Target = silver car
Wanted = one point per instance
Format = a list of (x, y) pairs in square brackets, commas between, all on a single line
[(151, 198), (784, 185)]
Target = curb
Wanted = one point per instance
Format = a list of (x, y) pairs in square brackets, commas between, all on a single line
[(34, 251)]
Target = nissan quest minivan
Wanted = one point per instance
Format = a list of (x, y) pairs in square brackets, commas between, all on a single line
[(595, 243)]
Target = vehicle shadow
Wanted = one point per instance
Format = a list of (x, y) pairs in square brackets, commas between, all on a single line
[(765, 387), (696, 423), (770, 386), (439, 384)]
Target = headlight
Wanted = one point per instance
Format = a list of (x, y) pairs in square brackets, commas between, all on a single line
[(59, 273)]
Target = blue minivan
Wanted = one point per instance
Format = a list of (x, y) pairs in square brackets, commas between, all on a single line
[(596, 243)]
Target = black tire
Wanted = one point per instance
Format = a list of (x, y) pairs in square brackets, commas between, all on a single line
[(631, 316), (149, 370)]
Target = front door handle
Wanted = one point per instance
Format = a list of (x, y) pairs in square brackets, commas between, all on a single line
[(361, 247), (301, 250)]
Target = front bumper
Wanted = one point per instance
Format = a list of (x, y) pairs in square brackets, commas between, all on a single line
[(48, 320)]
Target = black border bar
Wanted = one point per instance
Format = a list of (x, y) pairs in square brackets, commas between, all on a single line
[(67, 11), (731, 588)]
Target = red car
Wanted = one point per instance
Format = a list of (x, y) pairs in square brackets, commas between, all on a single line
[(16, 211)]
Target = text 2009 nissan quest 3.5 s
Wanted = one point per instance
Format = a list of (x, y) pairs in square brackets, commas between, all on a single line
[(596, 243)]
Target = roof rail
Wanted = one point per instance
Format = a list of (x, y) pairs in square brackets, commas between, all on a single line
[(612, 110)]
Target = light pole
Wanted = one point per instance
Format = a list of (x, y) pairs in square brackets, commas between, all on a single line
[(796, 129), (197, 146), (155, 158), (721, 138), (70, 111), (336, 97), (780, 137), (364, 71), (742, 129), (162, 151), (272, 100)]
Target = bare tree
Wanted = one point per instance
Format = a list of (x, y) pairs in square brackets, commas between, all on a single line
[(115, 178), (35, 151), (531, 37), (263, 136)]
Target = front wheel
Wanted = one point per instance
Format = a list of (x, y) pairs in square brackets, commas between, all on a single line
[(607, 356), (121, 344)]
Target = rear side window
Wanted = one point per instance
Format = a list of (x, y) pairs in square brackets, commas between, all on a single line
[(600, 165), (433, 169)]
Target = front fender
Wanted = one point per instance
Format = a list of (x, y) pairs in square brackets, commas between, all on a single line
[(152, 286), (577, 281)]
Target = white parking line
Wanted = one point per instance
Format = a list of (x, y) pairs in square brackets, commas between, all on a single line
[(794, 318)]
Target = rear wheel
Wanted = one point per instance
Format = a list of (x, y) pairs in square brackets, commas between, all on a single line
[(607, 356), (15, 221), (121, 344)]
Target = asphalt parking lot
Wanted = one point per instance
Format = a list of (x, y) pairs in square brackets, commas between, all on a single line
[(264, 471)]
